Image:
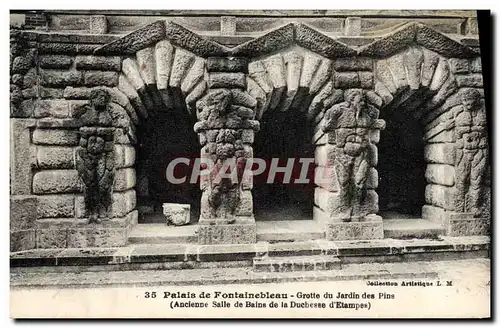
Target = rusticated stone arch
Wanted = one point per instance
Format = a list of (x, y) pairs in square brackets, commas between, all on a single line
[(435, 85)]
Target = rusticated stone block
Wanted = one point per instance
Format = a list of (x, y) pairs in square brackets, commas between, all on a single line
[(55, 137), (245, 205), (77, 93), (96, 78), (463, 224), (56, 206), (59, 78), (22, 63), (475, 65), (22, 212), (55, 157), (326, 178), (472, 80), (353, 64), (434, 214), (22, 156), (54, 108), (370, 228), (97, 237), (365, 80), (51, 238), (441, 174), (102, 63), (347, 80), (50, 92), (124, 156), (17, 79), (29, 93), (372, 179), (30, 79), (23, 110), (240, 232), (55, 61), (459, 65), (124, 179), (22, 240), (182, 61), (440, 196), (56, 181), (325, 155), (98, 24), (227, 64), (226, 80), (123, 203)]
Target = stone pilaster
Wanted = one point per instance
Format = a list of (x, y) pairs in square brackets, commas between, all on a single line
[(226, 127)]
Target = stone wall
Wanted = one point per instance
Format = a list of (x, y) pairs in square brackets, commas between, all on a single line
[(51, 84)]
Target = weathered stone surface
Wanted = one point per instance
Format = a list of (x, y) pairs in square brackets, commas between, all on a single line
[(365, 80), (51, 238), (227, 64), (194, 75), (441, 174), (460, 225), (440, 196), (258, 75), (183, 38), (413, 60), (440, 75), (472, 80), (100, 78), (458, 65), (475, 65), (293, 62), (397, 68), (123, 202), (66, 48), (124, 156), (56, 181), (131, 71), (30, 79), (227, 234), (434, 214), (325, 155), (56, 206), (23, 110), (22, 212), (275, 68), (22, 63), (27, 94), (317, 104), (176, 214), (164, 55), (50, 157), (138, 39), (317, 42), (128, 90), (440, 153), (322, 74), (22, 156), (21, 240), (98, 24), (58, 78), (17, 79), (55, 137), (124, 179), (182, 62), (76, 93), (96, 237), (275, 40), (311, 65), (371, 228), (55, 61), (50, 93), (54, 108), (431, 61), (146, 63), (197, 93), (390, 44), (103, 63), (385, 77), (347, 80), (226, 80), (441, 44), (353, 64), (352, 26), (239, 97)]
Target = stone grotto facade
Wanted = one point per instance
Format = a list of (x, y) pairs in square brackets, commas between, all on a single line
[(392, 105)]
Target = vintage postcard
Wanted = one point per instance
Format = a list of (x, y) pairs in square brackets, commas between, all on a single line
[(249, 164)]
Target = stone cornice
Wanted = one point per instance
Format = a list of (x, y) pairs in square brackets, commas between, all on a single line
[(285, 36)]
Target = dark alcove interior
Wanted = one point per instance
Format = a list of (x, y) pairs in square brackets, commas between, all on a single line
[(401, 164), (283, 135), (167, 135)]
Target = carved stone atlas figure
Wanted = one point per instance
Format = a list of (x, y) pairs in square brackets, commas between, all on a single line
[(468, 123), (351, 122), (95, 156)]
